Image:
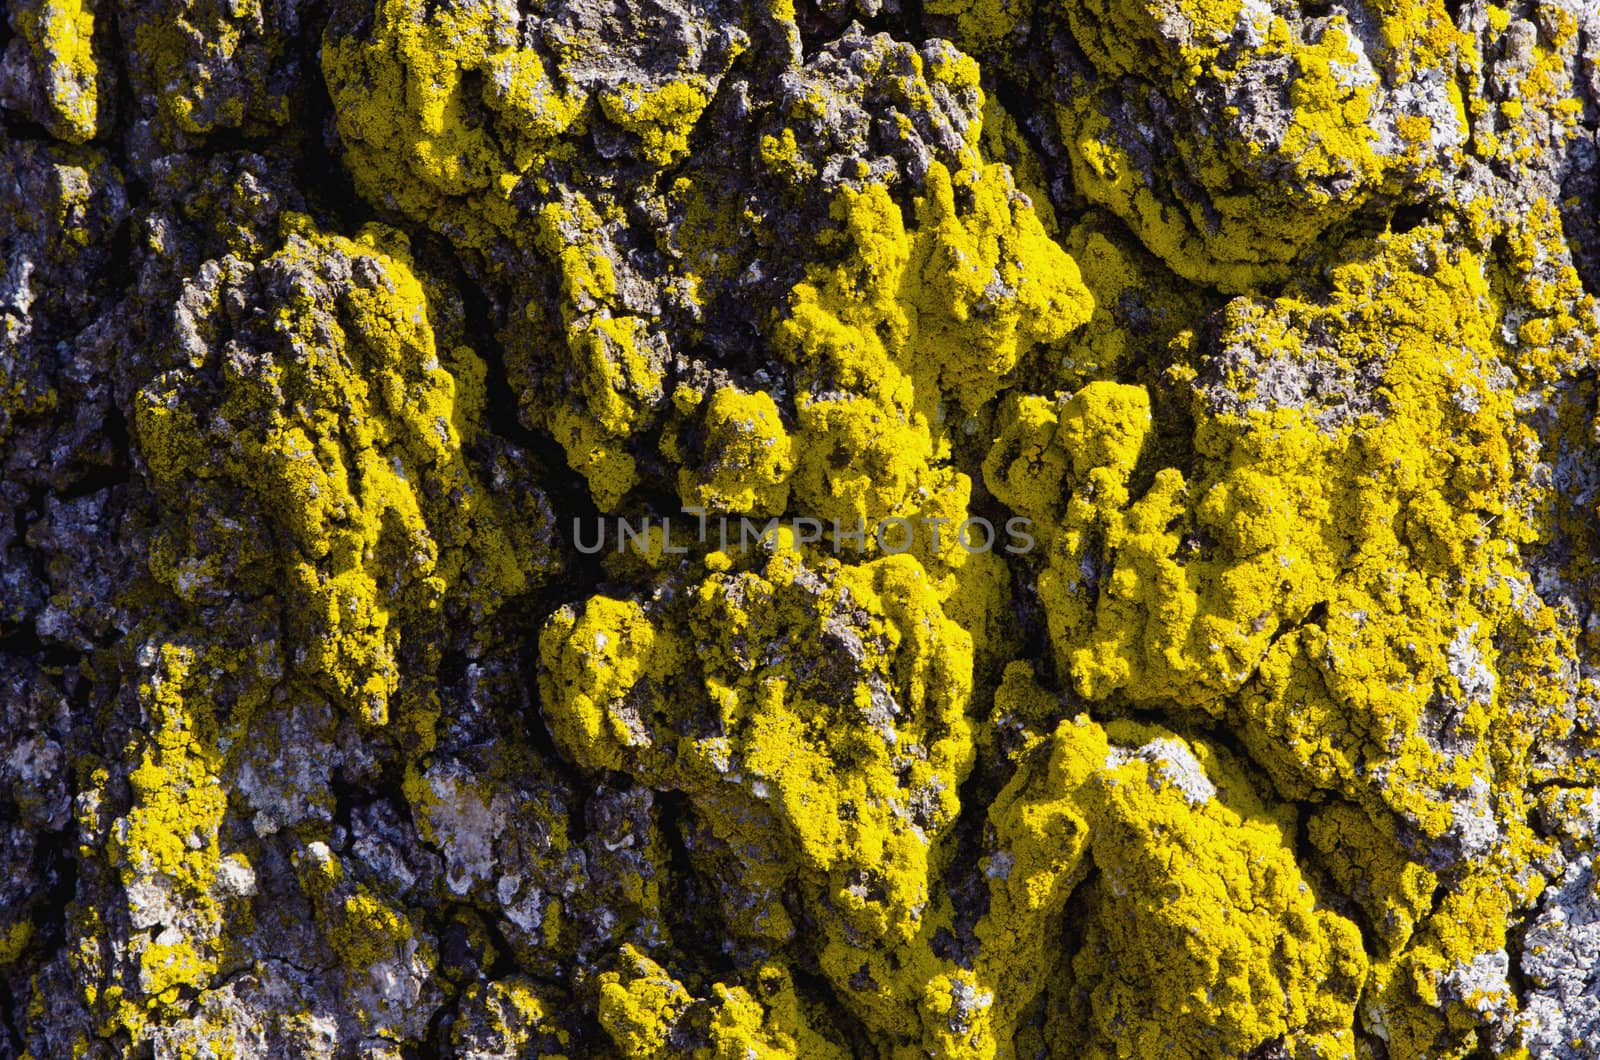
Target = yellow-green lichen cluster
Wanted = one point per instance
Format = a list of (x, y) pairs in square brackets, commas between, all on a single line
[(358, 426), (62, 65), (705, 529), (1230, 136)]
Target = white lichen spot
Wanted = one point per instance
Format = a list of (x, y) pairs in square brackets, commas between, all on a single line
[(1171, 762), (1000, 864), (464, 829), (1466, 666)]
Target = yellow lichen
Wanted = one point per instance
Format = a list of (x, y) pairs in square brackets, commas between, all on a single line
[(442, 105), (1372, 484), (384, 516), (942, 312), (1250, 201), (748, 457), (823, 793), (1238, 320), (660, 116), (60, 34)]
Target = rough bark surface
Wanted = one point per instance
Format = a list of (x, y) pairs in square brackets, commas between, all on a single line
[(811, 528)]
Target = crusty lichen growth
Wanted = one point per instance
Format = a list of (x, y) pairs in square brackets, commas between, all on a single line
[(1231, 190), (827, 763), (444, 110), (748, 457), (913, 326), (1200, 936), (1097, 529), (199, 66), (1356, 458), (168, 844), (61, 67), (355, 457)]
